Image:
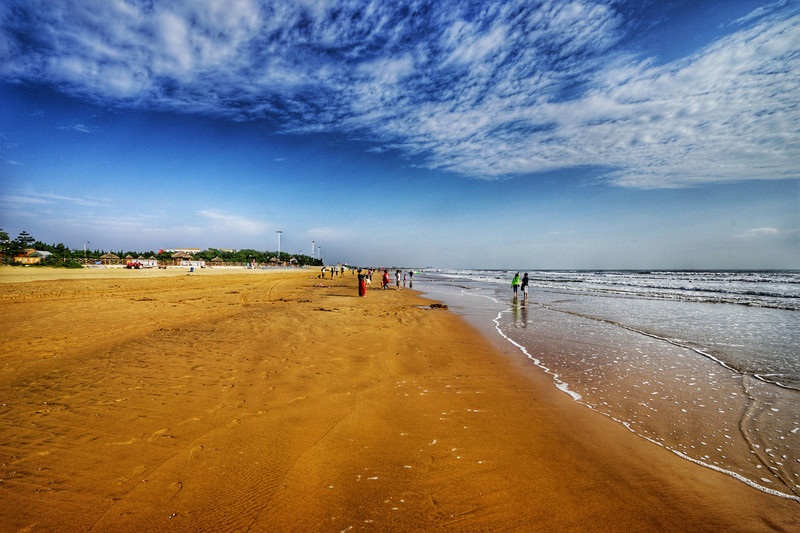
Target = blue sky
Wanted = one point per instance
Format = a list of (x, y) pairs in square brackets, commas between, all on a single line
[(534, 134)]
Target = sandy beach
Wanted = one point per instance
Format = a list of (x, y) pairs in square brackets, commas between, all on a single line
[(236, 400)]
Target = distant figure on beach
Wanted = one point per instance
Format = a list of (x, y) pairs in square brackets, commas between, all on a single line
[(397, 279), (515, 284), (368, 277), (525, 286), (362, 283), (322, 274), (333, 272), (385, 280)]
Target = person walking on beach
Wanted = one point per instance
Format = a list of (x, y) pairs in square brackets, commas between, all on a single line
[(515, 284), (362, 287), (525, 287), (385, 279), (397, 279)]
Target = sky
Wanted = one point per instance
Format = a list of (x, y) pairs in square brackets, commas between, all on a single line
[(530, 134)]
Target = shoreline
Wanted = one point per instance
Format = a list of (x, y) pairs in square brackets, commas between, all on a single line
[(670, 393), (261, 400)]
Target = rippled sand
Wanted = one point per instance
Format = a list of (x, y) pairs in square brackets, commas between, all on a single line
[(275, 401)]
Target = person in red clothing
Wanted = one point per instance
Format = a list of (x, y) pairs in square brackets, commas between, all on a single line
[(385, 279), (362, 286)]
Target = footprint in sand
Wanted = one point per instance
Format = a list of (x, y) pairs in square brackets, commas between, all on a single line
[(174, 489), (194, 452), (136, 471), (126, 443), (156, 434)]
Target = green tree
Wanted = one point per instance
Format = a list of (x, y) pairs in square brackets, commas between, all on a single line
[(25, 240)]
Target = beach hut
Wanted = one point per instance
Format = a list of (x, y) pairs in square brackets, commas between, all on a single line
[(109, 259), (181, 258), (217, 261), (184, 259)]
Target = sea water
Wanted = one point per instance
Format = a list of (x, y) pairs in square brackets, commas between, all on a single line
[(706, 364)]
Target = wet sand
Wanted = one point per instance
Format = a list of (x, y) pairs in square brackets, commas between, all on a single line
[(261, 401)]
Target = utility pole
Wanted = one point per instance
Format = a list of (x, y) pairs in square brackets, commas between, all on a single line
[(279, 245)]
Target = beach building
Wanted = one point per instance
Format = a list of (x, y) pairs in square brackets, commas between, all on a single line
[(108, 259), (185, 259), (32, 257)]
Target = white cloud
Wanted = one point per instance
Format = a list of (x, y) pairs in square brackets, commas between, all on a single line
[(489, 90), (82, 128), (758, 233)]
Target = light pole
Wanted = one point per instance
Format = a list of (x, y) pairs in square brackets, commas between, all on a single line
[(279, 245), (84, 251), (312, 249)]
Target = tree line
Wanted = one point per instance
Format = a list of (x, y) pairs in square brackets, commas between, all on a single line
[(62, 254)]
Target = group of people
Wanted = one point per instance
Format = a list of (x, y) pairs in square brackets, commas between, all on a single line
[(515, 285), (333, 270), (365, 278)]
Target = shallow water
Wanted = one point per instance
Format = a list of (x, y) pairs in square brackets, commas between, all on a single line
[(715, 382)]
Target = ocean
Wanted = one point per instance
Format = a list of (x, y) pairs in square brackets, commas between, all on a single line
[(705, 364)]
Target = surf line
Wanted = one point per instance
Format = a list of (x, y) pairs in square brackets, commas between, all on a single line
[(560, 385), (698, 351), (564, 387)]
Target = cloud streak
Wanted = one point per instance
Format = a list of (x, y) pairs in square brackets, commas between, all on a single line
[(22, 197), (758, 233), (486, 90), (223, 222)]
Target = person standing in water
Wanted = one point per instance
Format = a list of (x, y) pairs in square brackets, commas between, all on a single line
[(525, 287), (515, 284)]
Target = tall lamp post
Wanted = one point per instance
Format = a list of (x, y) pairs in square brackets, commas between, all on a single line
[(279, 245), (312, 250), (84, 251)]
